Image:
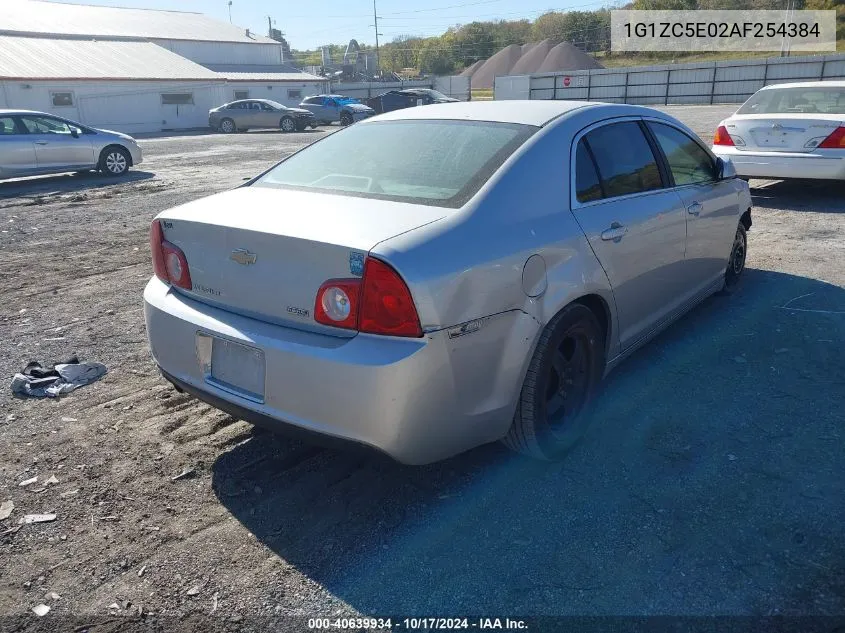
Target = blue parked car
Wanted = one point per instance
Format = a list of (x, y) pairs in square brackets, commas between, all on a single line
[(330, 108)]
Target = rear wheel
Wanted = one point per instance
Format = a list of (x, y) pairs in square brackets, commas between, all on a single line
[(114, 161), (227, 126), (287, 124), (552, 413), (736, 263)]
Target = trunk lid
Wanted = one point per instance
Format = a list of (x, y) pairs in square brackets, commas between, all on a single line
[(782, 132), (264, 252)]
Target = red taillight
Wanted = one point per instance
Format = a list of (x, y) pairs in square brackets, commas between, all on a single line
[(835, 141), (169, 262), (378, 303), (722, 137), (386, 303)]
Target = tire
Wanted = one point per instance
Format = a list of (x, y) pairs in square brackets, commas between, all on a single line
[(313, 126), (114, 161), (287, 124), (736, 262), (345, 119), (572, 344), (227, 126)]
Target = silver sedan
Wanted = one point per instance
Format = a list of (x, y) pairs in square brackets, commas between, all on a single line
[(37, 143), (470, 277)]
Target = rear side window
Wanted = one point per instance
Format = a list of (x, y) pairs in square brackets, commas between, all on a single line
[(624, 159), (688, 161), (7, 126), (587, 185)]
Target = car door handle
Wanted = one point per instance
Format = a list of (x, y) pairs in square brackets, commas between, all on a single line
[(695, 208), (41, 142), (614, 233)]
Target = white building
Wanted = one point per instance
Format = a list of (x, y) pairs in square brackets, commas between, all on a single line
[(136, 70)]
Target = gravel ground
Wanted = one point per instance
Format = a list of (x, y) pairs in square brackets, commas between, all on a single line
[(710, 483)]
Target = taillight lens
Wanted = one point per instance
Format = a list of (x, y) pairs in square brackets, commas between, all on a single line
[(378, 303), (386, 303), (337, 303), (835, 141), (169, 262), (722, 137)]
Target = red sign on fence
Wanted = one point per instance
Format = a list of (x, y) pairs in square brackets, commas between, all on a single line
[(567, 81)]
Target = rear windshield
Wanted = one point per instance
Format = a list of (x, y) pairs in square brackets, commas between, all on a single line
[(796, 101), (440, 163)]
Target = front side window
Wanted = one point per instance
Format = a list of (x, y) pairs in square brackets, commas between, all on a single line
[(440, 163), (177, 98), (587, 185), (688, 161), (45, 125), (624, 159), (822, 100), (62, 99), (7, 126)]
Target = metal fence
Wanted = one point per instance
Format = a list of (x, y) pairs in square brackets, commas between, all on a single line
[(702, 82), (456, 87)]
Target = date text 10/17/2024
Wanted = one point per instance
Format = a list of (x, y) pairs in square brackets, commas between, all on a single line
[(417, 624)]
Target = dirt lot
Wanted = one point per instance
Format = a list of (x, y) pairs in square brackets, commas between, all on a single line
[(710, 483)]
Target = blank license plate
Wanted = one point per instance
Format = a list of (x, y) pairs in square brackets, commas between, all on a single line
[(238, 366)]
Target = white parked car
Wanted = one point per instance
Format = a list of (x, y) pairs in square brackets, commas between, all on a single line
[(794, 130)]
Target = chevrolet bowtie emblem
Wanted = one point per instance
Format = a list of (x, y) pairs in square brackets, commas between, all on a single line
[(243, 257)]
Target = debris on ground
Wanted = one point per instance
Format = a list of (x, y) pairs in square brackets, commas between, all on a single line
[(6, 509), (28, 482), (194, 591), (41, 610), (52, 595), (142, 570), (36, 381), (51, 480), (188, 472), (36, 518)]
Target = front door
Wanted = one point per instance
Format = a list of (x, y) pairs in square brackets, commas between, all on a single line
[(58, 145), (710, 203), (269, 116), (17, 151), (635, 224)]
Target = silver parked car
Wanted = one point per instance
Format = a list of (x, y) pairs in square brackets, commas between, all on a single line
[(37, 143), (331, 108), (246, 114), (469, 277), (794, 130)]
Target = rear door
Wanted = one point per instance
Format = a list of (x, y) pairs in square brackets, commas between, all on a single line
[(56, 147), (711, 204), (17, 152), (634, 221)]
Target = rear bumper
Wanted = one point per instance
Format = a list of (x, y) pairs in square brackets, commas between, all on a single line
[(418, 400), (784, 164)]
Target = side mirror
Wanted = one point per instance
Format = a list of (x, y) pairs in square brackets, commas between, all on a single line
[(74, 132), (725, 168)]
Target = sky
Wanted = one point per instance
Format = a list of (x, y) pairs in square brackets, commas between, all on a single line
[(311, 23)]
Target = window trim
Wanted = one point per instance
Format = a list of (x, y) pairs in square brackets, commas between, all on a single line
[(169, 94), (72, 103), (236, 92), (574, 203), (665, 159), (295, 90)]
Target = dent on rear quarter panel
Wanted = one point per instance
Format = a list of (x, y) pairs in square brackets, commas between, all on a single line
[(470, 265)]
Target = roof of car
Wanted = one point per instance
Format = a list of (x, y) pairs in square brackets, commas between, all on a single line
[(8, 112), (537, 112), (807, 84)]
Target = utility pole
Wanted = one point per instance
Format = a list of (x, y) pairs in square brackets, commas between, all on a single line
[(375, 23), (269, 26), (230, 11)]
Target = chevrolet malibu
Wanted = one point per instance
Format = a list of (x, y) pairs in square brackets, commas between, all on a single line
[(792, 130), (470, 277)]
